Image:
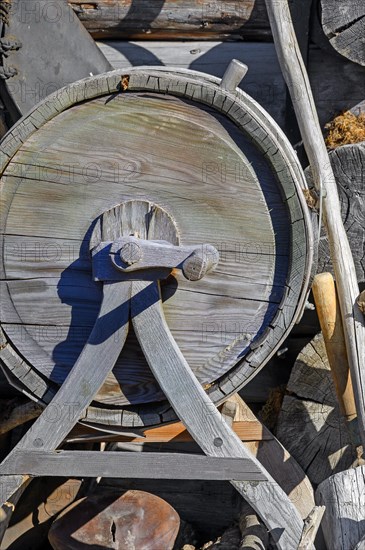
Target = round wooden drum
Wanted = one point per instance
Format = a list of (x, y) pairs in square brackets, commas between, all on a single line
[(224, 174)]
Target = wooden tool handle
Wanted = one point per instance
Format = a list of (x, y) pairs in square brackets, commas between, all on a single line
[(328, 310)]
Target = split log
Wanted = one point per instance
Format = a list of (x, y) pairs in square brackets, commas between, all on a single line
[(344, 25), (174, 19), (17, 411), (310, 424), (343, 495), (348, 163)]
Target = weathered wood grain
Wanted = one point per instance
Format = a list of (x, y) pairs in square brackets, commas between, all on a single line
[(344, 26), (348, 162), (196, 410), (130, 19), (348, 290), (143, 465), (263, 80), (252, 122), (343, 495), (278, 461), (310, 424)]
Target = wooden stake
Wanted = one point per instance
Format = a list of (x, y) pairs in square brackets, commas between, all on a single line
[(296, 77), (328, 311)]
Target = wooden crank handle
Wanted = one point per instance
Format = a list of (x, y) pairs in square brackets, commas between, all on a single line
[(201, 417), (130, 254), (96, 360), (329, 315)]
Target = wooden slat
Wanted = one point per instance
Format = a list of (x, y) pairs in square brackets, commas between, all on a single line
[(246, 430), (127, 465)]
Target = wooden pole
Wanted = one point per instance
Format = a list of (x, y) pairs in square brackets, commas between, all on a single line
[(328, 311), (297, 81)]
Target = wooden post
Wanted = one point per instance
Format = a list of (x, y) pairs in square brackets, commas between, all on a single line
[(298, 83), (343, 494)]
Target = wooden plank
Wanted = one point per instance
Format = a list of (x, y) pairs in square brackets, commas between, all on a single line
[(246, 430), (173, 19), (263, 81), (279, 463), (137, 466)]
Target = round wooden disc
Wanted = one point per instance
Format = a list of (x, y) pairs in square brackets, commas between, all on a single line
[(215, 166)]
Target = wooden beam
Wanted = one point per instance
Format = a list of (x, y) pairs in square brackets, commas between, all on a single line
[(127, 465), (173, 19)]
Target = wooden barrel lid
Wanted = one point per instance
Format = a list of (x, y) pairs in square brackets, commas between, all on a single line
[(217, 164)]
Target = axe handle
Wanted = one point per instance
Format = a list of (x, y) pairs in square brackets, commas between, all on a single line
[(329, 315)]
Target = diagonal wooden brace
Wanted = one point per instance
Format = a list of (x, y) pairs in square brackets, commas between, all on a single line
[(200, 416)]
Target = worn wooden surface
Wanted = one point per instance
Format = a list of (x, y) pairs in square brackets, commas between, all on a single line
[(126, 19), (337, 83), (343, 495), (348, 164), (70, 325), (310, 425), (344, 26), (143, 465), (197, 411), (278, 461)]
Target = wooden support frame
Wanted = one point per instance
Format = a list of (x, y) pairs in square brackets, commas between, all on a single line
[(139, 301)]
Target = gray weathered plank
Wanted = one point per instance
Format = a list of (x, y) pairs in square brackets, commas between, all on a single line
[(134, 466)]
